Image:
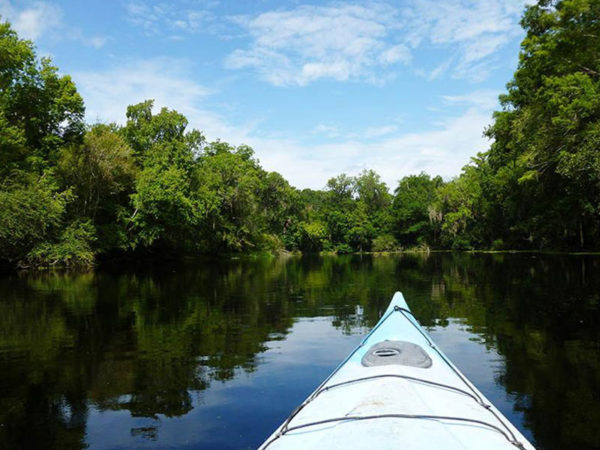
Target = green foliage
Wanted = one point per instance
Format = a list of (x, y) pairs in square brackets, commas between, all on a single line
[(343, 249), (498, 244), (361, 232), (166, 207), (543, 166), (100, 171), (411, 209), (229, 188), (71, 193), (271, 243), (145, 130), (280, 203), (385, 243), (72, 248), (372, 191), (458, 205), (341, 188), (40, 111), (31, 212), (313, 237)]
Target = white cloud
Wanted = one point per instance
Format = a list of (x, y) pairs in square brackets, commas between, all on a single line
[(161, 17), (386, 149), (345, 41), (168, 82), (485, 99), (32, 22), (145, 15), (109, 92), (384, 130), (441, 151), (439, 70), (330, 131), (336, 41), (474, 30), (41, 18), (97, 41), (397, 53)]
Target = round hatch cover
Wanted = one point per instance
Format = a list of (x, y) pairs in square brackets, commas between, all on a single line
[(396, 352)]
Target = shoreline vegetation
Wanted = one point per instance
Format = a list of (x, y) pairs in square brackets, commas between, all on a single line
[(74, 194), (175, 261)]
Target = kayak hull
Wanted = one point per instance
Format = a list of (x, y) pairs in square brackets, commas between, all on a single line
[(397, 390)]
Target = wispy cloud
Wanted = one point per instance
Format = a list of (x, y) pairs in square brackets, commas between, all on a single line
[(108, 92), (388, 149), (443, 150), (485, 99), (384, 130), (330, 131), (473, 30), (372, 41), (169, 18), (337, 41), (39, 18), (32, 22), (169, 82)]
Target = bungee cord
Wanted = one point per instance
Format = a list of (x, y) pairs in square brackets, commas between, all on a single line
[(508, 434)]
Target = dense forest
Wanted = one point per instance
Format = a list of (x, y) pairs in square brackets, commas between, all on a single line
[(73, 193)]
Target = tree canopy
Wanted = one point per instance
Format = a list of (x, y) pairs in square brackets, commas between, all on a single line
[(72, 192)]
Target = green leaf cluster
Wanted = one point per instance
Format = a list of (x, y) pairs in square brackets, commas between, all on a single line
[(71, 193)]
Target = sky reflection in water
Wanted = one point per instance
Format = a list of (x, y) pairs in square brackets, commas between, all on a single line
[(216, 355)]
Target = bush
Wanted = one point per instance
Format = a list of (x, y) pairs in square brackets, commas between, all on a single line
[(31, 213), (313, 236), (498, 244), (461, 243), (343, 249), (385, 243), (271, 243), (74, 248)]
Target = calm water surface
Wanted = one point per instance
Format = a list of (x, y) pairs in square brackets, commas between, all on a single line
[(216, 355)]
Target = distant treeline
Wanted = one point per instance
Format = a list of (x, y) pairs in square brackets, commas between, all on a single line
[(70, 192)]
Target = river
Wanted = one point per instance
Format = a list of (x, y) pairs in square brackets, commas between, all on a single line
[(214, 355)]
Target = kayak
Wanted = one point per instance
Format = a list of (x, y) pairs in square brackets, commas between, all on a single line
[(397, 390)]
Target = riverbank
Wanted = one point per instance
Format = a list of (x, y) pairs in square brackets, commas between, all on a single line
[(169, 260)]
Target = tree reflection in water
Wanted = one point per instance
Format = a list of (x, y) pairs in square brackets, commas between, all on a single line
[(152, 342)]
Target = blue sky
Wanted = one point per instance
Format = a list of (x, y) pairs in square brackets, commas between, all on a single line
[(316, 88)]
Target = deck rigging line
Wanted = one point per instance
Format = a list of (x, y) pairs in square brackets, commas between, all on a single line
[(508, 434), (405, 377)]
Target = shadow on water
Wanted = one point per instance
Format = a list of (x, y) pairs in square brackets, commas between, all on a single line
[(214, 355)]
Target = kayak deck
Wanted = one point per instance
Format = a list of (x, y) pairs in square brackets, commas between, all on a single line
[(397, 389)]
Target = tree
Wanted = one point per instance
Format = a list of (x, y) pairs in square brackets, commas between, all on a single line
[(145, 130), (361, 232), (372, 191), (546, 137), (100, 170), (341, 188), (411, 208), (31, 213), (457, 207), (229, 188), (280, 203), (166, 209), (313, 236), (40, 111)]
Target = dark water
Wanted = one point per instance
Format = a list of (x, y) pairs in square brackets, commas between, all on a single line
[(215, 355)]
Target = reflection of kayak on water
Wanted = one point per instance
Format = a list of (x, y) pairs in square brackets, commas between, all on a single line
[(397, 390)]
